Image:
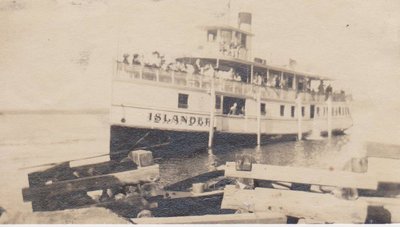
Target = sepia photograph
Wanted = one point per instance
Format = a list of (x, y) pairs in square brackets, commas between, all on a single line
[(199, 111)]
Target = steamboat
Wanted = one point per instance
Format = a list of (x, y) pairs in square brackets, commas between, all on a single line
[(219, 94)]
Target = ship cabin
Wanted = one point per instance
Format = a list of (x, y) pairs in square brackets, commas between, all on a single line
[(244, 88)]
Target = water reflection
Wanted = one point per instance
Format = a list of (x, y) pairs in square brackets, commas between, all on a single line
[(324, 154)]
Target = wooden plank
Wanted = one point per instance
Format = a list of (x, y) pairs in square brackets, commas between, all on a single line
[(65, 172), (140, 175), (247, 218), (60, 171), (181, 194), (381, 150), (381, 201), (304, 176), (384, 169), (316, 206), (88, 161)]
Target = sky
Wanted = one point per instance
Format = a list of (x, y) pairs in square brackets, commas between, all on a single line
[(60, 54)]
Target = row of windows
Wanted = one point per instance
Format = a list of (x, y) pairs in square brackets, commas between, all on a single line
[(319, 111), (292, 111), (336, 111)]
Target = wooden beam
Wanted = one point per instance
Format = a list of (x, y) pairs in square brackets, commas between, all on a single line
[(304, 176), (140, 175), (181, 194), (247, 218), (316, 206), (381, 150), (384, 169), (64, 171)]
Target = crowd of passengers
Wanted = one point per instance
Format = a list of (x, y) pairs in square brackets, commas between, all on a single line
[(232, 49), (158, 61)]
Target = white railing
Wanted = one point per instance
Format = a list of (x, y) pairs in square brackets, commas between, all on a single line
[(138, 72)]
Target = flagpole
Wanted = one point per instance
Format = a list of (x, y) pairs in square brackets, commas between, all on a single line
[(229, 12)]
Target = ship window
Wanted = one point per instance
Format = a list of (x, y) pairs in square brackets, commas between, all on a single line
[(312, 109), (183, 100), (217, 102), (282, 110), (292, 110), (302, 111), (233, 106), (263, 109), (211, 35)]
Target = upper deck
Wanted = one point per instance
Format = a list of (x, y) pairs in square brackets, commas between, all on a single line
[(201, 82)]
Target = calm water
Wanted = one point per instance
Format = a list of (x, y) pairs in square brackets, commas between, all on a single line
[(314, 154)]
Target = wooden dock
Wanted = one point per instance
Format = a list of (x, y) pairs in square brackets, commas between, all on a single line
[(64, 186), (318, 195)]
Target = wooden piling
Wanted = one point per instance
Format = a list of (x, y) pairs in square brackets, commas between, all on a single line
[(212, 113), (259, 117), (299, 118)]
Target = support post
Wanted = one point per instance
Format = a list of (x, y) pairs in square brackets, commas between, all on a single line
[(329, 102), (259, 117), (299, 118), (252, 74), (141, 72), (212, 113)]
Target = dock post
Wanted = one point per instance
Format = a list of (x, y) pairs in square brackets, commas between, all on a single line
[(329, 102), (259, 117), (299, 118), (212, 113)]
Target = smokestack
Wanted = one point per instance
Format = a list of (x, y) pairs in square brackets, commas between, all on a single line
[(244, 21)]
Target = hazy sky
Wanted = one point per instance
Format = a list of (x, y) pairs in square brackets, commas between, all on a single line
[(59, 54)]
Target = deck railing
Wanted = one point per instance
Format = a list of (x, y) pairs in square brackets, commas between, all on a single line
[(138, 72)]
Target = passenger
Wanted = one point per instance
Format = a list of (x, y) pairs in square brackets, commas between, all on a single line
[(238, 77), (135, 60), (125, 61), (260, 80), (321, 88), (277, 82), (233, 109), (231, 74), (223, 47), (197, 67), (209, 71), (242, 111), (156, 60), (328, 91), (189, 68)]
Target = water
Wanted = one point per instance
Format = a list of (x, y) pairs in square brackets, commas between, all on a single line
[(322, 154), (28, 140)]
